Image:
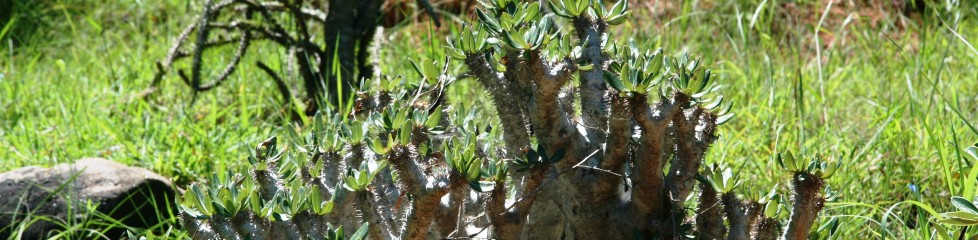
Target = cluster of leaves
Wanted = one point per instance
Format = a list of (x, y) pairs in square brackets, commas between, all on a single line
[(816, 166), (641, 72), (538, 158), (293, 180), (573, 8), (966, 211), (519, 52)]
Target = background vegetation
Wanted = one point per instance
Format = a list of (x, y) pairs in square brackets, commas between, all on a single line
[(895, 91)]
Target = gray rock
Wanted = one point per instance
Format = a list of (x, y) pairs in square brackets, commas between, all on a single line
[(35, 201)]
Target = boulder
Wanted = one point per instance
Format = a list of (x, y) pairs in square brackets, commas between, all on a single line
[(35, 201)]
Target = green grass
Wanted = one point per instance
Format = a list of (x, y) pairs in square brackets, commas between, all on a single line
[(895, 104)]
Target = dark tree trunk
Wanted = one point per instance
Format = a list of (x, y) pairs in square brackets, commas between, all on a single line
[(349, 29)]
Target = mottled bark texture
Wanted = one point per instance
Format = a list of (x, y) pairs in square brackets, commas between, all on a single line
[(807, 203), (709, 216), (621, 166)]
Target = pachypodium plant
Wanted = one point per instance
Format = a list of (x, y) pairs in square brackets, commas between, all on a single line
[(594, 139)]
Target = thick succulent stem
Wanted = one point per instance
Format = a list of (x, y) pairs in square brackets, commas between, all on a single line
[(379, 227), (308, 226), (356, 23), (515, 132), (250, 226), (550, 123), (408, 171), (331, 172), (808, 202), (648, 198), (766, 229), (519, 77), (197, 228), (594, 105), (737, 216), (508, 223), (424, 206), (224, 227), (709, 217), (447, 220), (268, 183), (616, 151), (754, 211), (690, 150)]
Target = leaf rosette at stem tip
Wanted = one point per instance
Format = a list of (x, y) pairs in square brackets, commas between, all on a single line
[(818, 166), (618, 13), (355, 131), (690, 79), (471, 40), (462, 158), (772, 204), (357, 180), (508, 26), (572, 8), (720, 177), (538, 158), (267, 151), (636, 72), (501, 15), (336, 233)]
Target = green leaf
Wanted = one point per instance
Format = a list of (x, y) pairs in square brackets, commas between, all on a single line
[(192, 212), (942, 232), (361, 232), (532, 11), (581, 6), (724, 119), (831, 225), (294, 136), (472, 173), (455, 53), (201, 197), (268, 209), (571, 7), (559, 10), (959, 218), (532, 157), (419, 68), (339, 233), (488, 22), (614, 81), (327, 207), (619, 8), (973, 151), (964, 205), (351, 184), (482, 186), (315, 201), (782, 160), (771, 209), (715, 103), (557, 156), (619, 19)]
